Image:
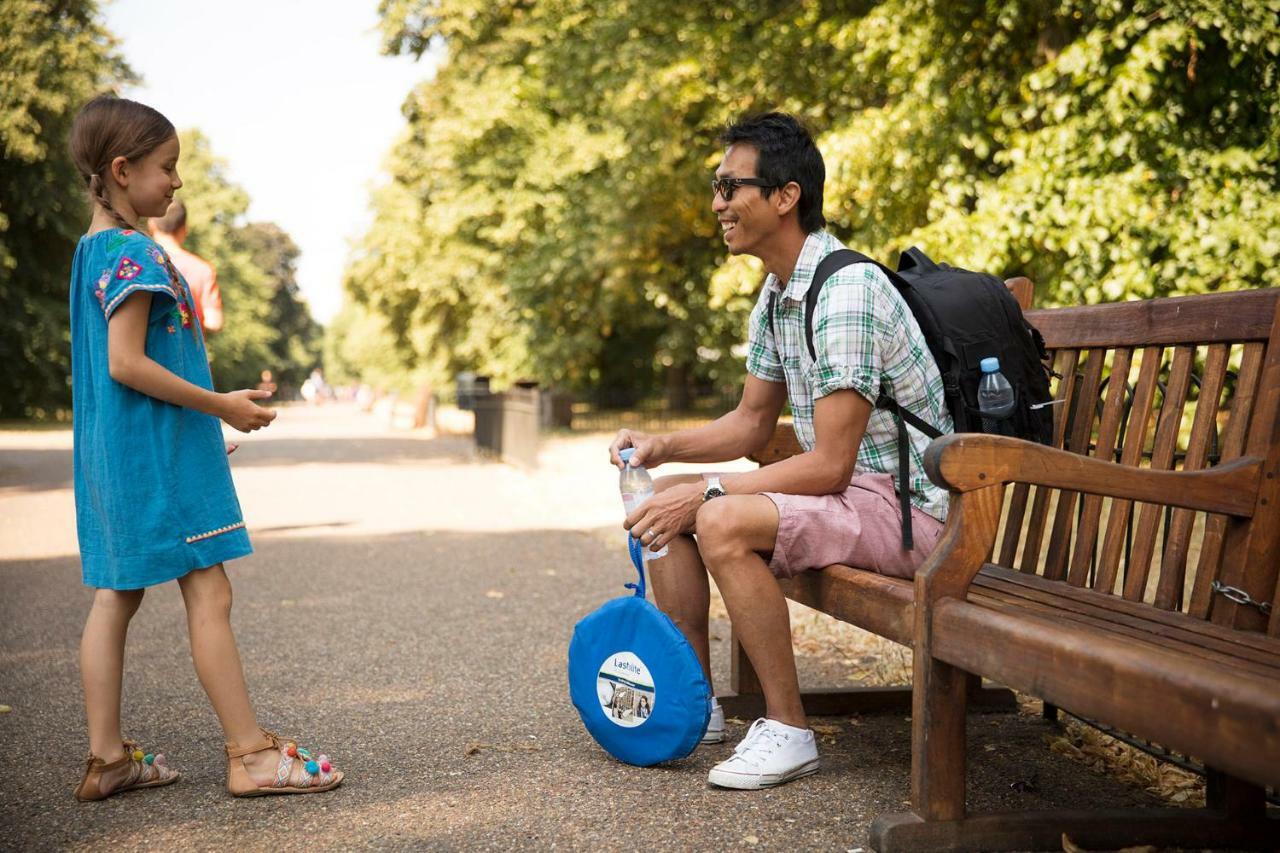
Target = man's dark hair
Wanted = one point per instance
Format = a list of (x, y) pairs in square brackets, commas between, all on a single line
[(786, 153), (173, 220)]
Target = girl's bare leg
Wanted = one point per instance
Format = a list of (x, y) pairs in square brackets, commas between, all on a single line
[(207, 594), (102, 667)]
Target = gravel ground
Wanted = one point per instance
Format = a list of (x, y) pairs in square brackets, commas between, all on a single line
[(407, 611)]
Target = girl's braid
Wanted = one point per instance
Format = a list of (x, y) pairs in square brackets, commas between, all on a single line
[(98, 189)]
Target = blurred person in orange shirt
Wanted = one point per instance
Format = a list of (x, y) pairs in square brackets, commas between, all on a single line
[(170, 231)]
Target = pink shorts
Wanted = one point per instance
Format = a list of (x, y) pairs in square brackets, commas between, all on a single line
[(861, 527)]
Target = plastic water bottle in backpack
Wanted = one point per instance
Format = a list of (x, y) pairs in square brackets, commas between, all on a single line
[(637, 487), (995, 398)]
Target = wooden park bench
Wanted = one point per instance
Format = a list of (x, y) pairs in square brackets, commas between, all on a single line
[(1127, 574)]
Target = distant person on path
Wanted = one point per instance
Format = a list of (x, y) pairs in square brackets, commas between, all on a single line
[(170, 231), (834, 503), (154, 496)]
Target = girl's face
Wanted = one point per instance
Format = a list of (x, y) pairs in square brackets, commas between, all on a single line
[(150, 182)]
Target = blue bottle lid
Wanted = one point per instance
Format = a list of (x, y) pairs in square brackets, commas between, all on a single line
[(990, 365), (625, 453)]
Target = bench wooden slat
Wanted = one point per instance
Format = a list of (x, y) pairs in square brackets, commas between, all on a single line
[(1196, 635), (1007, 601), (875, 602), (1229, 720), (1065, 366), (1210, 319), (1232, 446), (1173, 564), (1135, 440), (1166, 443), (1081, 428), (1108, 432)]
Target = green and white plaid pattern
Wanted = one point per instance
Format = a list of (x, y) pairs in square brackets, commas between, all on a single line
[(867, 340)]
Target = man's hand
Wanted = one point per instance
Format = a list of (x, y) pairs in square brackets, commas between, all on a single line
[(240, 412), (650, 449), (666, 515)]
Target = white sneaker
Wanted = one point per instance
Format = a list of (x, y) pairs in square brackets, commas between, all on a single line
[(715, 726), (772, 753)]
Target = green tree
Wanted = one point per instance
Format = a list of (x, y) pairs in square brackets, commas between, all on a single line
[(266, 324), (298, 338), (53, 58), (548, 213)]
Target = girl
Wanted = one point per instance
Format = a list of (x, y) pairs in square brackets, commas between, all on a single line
[(154, 497)]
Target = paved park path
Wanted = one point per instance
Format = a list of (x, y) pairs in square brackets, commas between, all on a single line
[(407, 610)]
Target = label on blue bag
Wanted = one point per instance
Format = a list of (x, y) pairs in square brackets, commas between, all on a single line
[(625, 689)]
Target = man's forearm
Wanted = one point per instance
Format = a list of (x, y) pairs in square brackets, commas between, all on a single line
[(731, 436), (803, 474)]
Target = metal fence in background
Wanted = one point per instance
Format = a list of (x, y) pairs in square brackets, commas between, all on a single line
[(610, 412)]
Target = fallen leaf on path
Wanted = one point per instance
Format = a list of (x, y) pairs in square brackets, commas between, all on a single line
[(824, 729), (750, 839), (493, 593), (4, 709)]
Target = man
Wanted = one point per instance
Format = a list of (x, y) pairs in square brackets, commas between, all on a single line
[(170, 231), (814, 509)]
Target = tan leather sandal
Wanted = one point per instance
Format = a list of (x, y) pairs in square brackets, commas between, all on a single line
[(146, 770), (316, 773)]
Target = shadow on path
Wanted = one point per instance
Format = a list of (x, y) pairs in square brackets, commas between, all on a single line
[(431, 666)]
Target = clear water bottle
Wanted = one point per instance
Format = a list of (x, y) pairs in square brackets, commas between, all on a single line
[(995, 398), (637, 487)]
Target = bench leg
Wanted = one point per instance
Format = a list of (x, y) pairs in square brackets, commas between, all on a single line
[(938, 739), (1236, 815)]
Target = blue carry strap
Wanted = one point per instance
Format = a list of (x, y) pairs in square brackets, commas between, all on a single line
[(636, 547)]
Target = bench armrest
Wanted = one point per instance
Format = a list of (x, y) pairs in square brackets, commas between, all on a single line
[(964, 462)]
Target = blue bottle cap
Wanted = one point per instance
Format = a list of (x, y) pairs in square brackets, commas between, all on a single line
[(990, 365), (625, 453)]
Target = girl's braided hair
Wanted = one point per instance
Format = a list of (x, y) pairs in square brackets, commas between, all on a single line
[(109, 127)]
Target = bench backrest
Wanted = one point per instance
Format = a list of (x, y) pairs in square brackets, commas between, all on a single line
[(1179, 383)]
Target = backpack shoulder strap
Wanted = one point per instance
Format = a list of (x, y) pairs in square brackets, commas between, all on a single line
[(828, 267)]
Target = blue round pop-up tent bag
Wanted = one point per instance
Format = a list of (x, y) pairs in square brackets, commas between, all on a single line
[(636, 681)]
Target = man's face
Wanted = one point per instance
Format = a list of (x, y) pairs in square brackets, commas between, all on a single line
[(747, 217)]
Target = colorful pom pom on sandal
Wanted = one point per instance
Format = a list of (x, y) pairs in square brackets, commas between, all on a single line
[(299, 771), (144, 770)]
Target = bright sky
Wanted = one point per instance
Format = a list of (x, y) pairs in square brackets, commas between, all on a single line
[(294, 96)]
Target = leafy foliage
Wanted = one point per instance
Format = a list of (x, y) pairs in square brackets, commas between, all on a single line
[(266, 324), (53, 57), (549, 215)]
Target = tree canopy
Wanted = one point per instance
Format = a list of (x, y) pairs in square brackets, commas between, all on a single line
[(53, 58), (549, 215)]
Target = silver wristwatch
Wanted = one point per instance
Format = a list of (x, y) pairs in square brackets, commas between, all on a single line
[(713, 489)]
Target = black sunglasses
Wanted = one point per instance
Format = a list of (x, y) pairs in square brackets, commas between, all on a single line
[(726, 187)]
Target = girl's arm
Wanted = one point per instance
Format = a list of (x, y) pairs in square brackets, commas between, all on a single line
[(129, 365)]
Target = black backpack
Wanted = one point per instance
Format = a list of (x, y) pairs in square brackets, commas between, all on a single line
[(965, 317)]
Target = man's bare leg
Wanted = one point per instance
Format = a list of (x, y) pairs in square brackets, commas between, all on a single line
[(733, 531), (680, 585)]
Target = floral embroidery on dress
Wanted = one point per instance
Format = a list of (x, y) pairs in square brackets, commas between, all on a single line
[(184, 314), (156, 255), (128, 269), (171, 328), (101, 290)]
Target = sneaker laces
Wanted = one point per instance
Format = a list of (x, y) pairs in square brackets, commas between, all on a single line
[(760, 742)]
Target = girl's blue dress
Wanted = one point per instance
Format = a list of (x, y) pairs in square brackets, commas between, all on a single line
[(154, 497)]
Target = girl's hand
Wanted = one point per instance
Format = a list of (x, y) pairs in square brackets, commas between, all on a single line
[(240, 412)]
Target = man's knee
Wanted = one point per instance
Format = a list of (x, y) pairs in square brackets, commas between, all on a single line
[(721, 531)]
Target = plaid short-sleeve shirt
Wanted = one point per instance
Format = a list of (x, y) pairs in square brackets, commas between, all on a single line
[(867, 340)]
